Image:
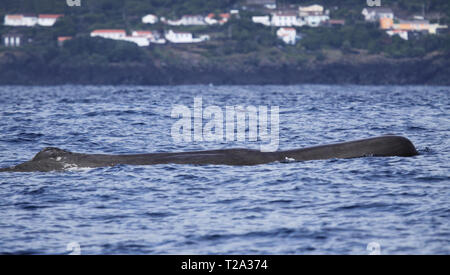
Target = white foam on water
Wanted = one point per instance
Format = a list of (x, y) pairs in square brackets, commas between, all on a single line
[(289, 159)]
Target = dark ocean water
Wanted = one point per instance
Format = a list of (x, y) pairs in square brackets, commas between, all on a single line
[(315, 207)]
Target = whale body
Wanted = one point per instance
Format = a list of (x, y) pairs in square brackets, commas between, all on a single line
[(55, 159)]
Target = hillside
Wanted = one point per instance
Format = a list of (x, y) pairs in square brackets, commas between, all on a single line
[(239, 52)]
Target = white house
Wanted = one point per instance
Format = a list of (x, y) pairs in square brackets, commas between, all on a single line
[(179, 37), (313, 9), (313, 15), (375, 14), (28, 20), (188, 20), (284, 19), (212, 19), (110, 34), (403, 27), (144, 38), (224, 17), (146, 34), (172, 22), (48, 20), (288, 35), (269, 4), (265, 20), (152, 36), (158, 41), (150, 19), (417, 26), (315, 20), (138, 37), (13, 20), (12, 40), (184, 37), (23, 20), (401, 33)]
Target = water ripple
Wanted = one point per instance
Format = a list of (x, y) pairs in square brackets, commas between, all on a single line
[(318, 207)]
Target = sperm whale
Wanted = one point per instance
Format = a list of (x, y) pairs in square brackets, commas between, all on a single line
[(55, 159)]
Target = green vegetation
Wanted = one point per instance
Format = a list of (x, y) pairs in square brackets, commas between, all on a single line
[(350, 9), (239, 37), (369, 37)]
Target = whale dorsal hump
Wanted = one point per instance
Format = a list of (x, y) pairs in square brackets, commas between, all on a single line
[(50, 153)]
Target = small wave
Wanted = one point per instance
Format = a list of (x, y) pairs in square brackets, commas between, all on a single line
[(23, 137), (189, 177), (75, 168), (416, 128), (129, 247), (282, 232), (375, 205), (30, 135), (280, 202), (229, 201), (36, 191), (159, 214), (287, 160), (29, 206), (426, 151), (432, 178)]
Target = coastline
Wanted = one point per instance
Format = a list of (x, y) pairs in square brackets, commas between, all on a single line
[(22, 69)]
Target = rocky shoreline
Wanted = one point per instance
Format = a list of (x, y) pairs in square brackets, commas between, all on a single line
[(20, 69)]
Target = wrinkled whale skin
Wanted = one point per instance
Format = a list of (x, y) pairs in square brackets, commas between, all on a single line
[(55, 159)]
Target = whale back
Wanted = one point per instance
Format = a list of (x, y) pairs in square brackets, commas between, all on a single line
[(384, 146), (50, 153), (54, 159)]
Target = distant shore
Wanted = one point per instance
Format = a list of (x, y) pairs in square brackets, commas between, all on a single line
[(22, 69)]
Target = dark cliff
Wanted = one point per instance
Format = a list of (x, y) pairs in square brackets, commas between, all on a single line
[(24, 69)]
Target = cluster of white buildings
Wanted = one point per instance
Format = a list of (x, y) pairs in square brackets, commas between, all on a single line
[(312, 16), (145, 38), (375, 14), (288, 35), (397, 26), (30, 20), (141, 38), (189, 20), (12, 40), (25, 20), (184, 37), (287, 20)]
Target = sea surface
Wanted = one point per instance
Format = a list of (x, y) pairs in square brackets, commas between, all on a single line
[(367, 205)]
